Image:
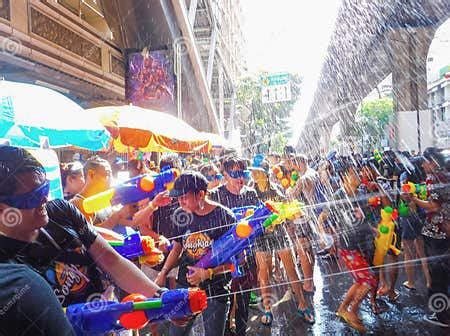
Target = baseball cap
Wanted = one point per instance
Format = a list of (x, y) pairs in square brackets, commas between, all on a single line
[(189, 182)]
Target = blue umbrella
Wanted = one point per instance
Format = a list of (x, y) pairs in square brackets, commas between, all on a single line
[(31, 113)]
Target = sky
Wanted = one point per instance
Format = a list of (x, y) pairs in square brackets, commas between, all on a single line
[(292, 36)]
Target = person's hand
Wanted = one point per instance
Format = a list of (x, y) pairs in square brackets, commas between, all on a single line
[(162, 199), (197, 275), (407, 197), (161, 278), (375, 232), (162, 243)]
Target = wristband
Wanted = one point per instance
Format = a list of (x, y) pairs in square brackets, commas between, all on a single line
[(152, 207)]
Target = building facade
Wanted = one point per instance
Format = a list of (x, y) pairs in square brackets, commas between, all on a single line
[(439, 104), (78, 47)]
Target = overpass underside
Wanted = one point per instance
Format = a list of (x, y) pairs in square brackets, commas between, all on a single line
[(371, 40)]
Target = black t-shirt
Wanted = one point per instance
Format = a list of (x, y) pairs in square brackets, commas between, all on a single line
[(246, 197), (165, 221), (27, 305), (196, 239), (60, 254)]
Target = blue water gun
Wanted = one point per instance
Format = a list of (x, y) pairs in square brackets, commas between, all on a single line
[(131, 191), (242, 212), (241, 236), (135, 246), (134, 312)]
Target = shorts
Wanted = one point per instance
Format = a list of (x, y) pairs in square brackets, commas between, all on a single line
[(152, 273), (273, 241), (411, 227), (359, 268)]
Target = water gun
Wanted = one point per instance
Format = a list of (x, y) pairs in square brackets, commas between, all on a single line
[(241, 236), (242, 212), (374, 201), (294, 178), (138, 247), (280, 175), (418, 190), (387, 238), (134, 312), (403, 209), (377, 155), (131, 191)]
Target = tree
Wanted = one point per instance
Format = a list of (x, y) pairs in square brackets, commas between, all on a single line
[(372, 120), (264, 127)]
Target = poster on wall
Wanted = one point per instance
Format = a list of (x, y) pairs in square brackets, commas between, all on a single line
[(150, 80)]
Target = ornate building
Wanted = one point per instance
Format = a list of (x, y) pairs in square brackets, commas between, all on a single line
[(77, 47)]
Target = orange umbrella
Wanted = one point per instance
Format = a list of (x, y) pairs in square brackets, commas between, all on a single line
[(149, 130)]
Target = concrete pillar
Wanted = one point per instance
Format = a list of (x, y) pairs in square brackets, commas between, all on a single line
[(221, 97), (413, 121)]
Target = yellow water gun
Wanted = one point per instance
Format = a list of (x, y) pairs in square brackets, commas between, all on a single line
[(387, 238)]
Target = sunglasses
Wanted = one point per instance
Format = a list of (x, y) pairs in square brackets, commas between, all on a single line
[(30, 200), (213, 177), (245, 174)]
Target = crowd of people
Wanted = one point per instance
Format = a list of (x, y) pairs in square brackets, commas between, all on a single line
[(57, 253)]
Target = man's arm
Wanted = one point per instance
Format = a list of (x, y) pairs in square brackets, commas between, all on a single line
[(170, 263), (124, 273)]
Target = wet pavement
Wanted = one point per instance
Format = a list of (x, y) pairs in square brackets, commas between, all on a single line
[(405, 317)]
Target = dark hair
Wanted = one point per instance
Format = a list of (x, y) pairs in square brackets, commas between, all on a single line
[(170, 160), (344, 165), (434, 154), (70, 169), (189, 181), (288, 150), (93, 163), (14, 161), (229, 163), (417, 173), (300, 158), (204, 170), (138, 165)]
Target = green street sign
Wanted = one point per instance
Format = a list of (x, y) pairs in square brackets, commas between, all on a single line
[(275, 79)]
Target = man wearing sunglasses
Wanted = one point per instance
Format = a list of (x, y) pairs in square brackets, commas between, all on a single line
[(27, 303), (235, 193), (212, 174), (54, 239)]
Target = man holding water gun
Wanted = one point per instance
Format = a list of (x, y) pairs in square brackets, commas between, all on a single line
[(200, 222), (64, 248)]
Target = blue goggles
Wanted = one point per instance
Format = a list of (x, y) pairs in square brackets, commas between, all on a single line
[(30, 200), (213, 177), (245, 174)]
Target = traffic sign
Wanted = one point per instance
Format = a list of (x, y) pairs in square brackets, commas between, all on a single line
[(276, 88)]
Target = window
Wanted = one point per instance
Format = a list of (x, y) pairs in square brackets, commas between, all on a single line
[(4, 10), (89, 11)]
